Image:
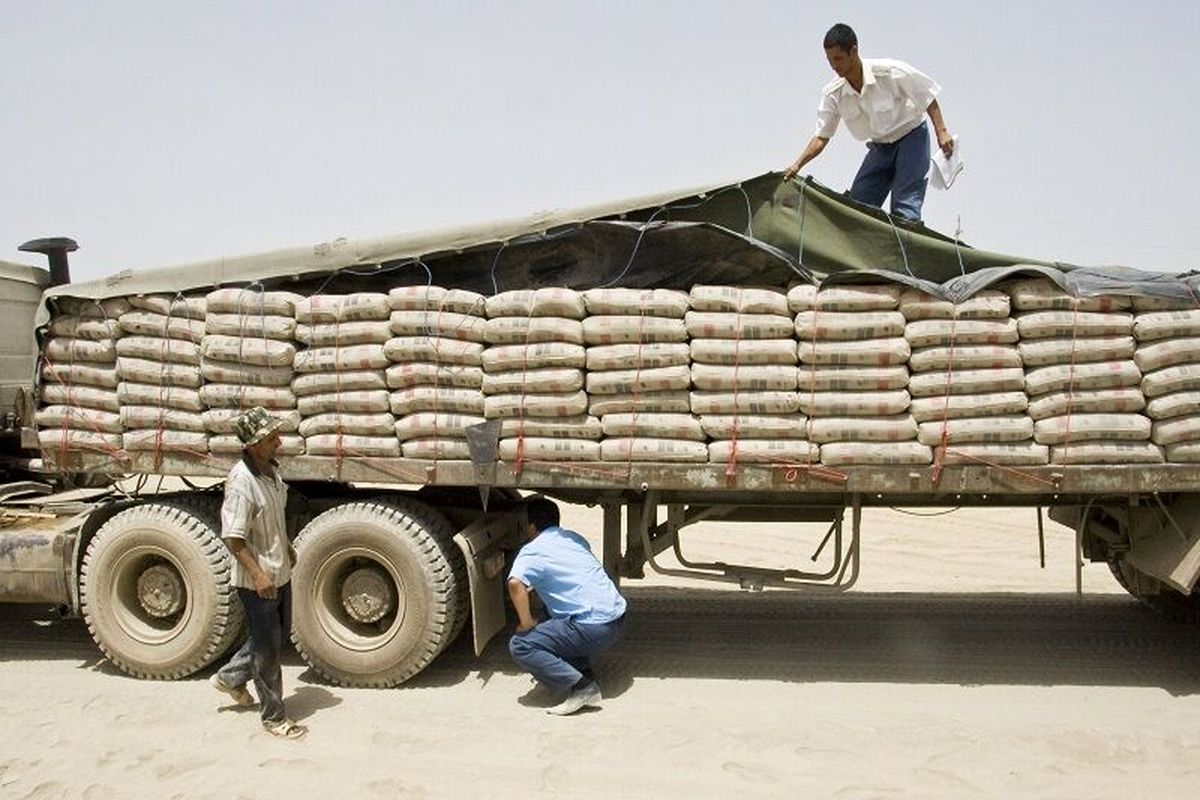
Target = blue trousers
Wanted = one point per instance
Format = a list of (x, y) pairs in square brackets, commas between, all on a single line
[(260, 657), (897, 168), (558, 652)]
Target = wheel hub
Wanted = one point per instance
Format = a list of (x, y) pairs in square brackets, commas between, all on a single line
[(160, 591), (368, 595)]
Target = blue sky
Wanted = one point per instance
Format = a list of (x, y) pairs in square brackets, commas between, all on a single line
[(161, 133)]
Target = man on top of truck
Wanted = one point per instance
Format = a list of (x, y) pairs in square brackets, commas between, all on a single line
[(587, 613), (254, 529)]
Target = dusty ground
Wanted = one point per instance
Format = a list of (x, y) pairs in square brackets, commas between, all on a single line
[(956, 668)]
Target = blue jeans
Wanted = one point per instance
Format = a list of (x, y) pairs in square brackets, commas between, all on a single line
[(260, 657), (898, 168), (558, 652)]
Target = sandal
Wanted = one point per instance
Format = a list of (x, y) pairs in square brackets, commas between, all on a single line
[(240, 694), (285, 729)]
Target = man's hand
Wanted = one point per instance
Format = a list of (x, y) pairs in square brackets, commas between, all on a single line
[(263, 585), (811, 151), (945, 142), (793, 170), (525, 627)]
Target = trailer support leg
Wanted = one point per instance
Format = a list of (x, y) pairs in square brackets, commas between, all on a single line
[(611, 547)]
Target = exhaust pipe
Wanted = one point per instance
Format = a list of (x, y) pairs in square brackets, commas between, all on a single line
[(55, 249)]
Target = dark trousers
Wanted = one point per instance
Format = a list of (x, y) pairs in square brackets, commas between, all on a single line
[(260, 657), (558, 652), (897, 168)]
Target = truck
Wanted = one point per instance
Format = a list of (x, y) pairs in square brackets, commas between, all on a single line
[(398, 554)]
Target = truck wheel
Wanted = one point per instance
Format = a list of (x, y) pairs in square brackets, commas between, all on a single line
[(379, 590), (155, 590), (1168, 602)]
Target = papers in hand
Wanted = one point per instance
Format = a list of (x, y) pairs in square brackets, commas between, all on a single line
[(945, 169)]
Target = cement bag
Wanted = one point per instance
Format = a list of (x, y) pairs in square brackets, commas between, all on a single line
[(1107, 453), (372, 401), (224, 372), (1148, 357), (108, 308), (764, 451), (977, 430), (651, 302), (332, 308), (147, 323), (438, 425), (343, 334), (357, 424), (236, 350), (532, 330), (1146, 303), (139, 417), (53, 441), (987, 304), (1095, 401), (665, 426), (1040, 352), (445, 449), (742, 402), (893, 428), (673, 402), (339, 359), (958, 406), (63, 350), (1181, 378), (1163, 407), (1174, 431), (644, 356), (443, 324), (170, 305), (1184, 453), (1038, 294), (221, 420), (546, 302), (402, 376), (250, 326), (352, 381), (632, 381), (716, 325), (1102, 375), (732, 351), (533, 356), (754, 426), (1008, 454), (578, 427), (252, 301), (547, 379), (839, 454), (171, 351), (933, 332), (405, 349), (621, 330), (812, 378), (229, 444), (436, 398), (102, 376), (140, 370), (536, 448), (1085, 427), (500, 406), (141, 394), (88, 419), (84, 396), (853, 404), (738, 300), (85, 328), (971, 356), (746, 378), (844, 298), (848, 325), (649, 449), (435, 298), (228, 395), (869, 353), (967, 381), (1157, 325), (159, 441), (350, 446), (1073, 325)]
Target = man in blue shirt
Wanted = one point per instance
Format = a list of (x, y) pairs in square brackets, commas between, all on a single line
[(586, 611)]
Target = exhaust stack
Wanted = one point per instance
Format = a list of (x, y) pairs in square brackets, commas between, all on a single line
[(55, 249)]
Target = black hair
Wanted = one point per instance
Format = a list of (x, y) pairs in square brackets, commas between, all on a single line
[(542, 513), (841, 36)]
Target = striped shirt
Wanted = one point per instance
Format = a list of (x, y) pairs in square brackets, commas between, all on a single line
[(253, 511)]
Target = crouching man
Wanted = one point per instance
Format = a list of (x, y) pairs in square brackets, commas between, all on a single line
[(587, 613)]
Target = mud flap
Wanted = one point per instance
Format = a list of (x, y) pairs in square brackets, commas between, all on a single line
[(482, 545), (1165, 542)]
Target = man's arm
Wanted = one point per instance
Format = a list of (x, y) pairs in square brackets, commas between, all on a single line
[(519, 593), (262, 582), (944, 139), (814, 148)]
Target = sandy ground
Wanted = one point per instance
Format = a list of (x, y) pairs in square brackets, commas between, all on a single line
[(956, 668)]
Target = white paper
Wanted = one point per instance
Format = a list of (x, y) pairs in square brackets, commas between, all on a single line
[(945, 170)]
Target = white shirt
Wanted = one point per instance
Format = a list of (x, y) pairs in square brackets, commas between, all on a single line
[(254, 511), (892, 103)]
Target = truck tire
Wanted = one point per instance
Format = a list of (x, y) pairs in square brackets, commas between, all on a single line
[(155, 590), (379, 590), (1169, 603)]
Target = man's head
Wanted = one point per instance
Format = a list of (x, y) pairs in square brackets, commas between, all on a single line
[(542, 514), (841, 49), (259, 434)]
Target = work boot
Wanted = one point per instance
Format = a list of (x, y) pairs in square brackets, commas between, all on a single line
[(586, 695)]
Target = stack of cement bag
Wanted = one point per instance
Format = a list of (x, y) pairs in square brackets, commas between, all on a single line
[(853, 375), (1083, 385), (966, 379), (1168, 353), (435, 375), (743, 371), (79, 378), (533, 379)]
